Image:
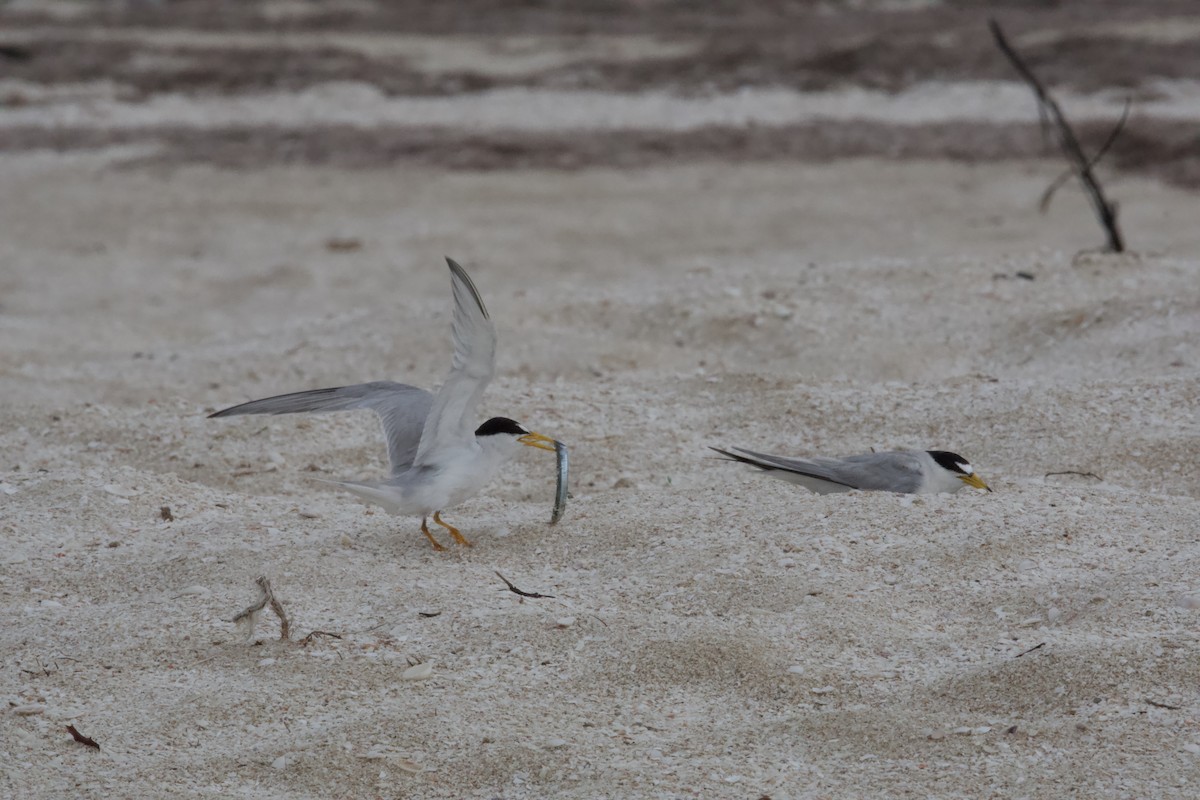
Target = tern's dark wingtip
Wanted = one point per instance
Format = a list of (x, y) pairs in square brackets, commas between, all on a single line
[(460, 274), (232, 411)]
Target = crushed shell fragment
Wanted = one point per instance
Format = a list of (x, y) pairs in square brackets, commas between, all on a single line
[(418, 672)]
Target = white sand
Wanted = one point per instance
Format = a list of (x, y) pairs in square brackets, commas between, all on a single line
[(713, 634)]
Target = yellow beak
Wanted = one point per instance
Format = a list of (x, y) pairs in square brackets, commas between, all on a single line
[(537, 440), (974, 480)]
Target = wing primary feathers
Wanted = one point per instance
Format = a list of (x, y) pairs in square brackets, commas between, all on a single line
[(733, 456), (451, 420), (291, 403), (772, 463), (336, 398), (457, 269)]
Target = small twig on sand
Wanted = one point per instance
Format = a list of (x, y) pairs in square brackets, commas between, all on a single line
[(1068, 143), (1030, 650), (1075, 472), (79, 737), (515, 590), (41, 670), (248, 617), (307, 640), (1157, 704)]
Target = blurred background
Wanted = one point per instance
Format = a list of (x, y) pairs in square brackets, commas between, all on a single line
[(489, 85)]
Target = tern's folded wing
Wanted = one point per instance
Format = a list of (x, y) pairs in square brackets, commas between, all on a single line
[(891, 471), (895, 471)]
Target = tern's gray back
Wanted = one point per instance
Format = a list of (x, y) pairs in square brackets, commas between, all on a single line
[(402, 410)]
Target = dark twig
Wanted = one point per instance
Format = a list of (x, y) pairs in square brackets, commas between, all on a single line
[(277, 607), (1157, 704), (1067, 142), (307, 640), (1057, 183), (79, 737), (515, 590), (1030, 650), (429, 614), (1075, 472), (41, 670)]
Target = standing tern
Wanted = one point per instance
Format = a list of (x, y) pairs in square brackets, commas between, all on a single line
[(438, 457), (903, 471)]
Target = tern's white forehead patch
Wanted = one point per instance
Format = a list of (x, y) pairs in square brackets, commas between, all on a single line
[(965, 467)]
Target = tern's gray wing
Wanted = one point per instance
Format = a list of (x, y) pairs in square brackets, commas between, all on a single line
[(893, 471), (402, 410), (889, 472), (452, 418)]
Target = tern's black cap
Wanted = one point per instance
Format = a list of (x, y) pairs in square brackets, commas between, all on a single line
[(951, 461), (497, 425)]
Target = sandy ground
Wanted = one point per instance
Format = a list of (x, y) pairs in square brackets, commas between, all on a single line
[(711, 633)]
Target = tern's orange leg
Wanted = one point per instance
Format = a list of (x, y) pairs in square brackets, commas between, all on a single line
[(458, 537), (425, 530)]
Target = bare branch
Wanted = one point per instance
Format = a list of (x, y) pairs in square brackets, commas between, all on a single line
[(248, 617), (1057, 183), (1030, 650), (307, 640), (79, 737), (1157, 704), (515, 590), (1075, 472), (1068, 143)]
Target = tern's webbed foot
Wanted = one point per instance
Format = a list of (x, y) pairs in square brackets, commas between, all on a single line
[(454, 532), (425, 530)]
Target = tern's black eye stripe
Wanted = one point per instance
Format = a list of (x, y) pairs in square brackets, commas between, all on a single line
[(497, 425), (951, 461)]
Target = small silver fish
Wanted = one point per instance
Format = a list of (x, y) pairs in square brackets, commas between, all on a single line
[(560, 494)]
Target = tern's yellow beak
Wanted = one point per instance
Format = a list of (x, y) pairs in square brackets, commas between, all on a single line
[(537, 440), (971, 480)]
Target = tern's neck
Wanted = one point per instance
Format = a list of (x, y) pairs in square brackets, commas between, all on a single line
[(938, 479), (496, 451)]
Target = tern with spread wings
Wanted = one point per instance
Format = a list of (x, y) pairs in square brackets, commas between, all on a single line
[(438, 457), (903, 471)]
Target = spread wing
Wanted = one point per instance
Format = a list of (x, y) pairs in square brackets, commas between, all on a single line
[(895, 471), (402, 410), (452, 418)]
